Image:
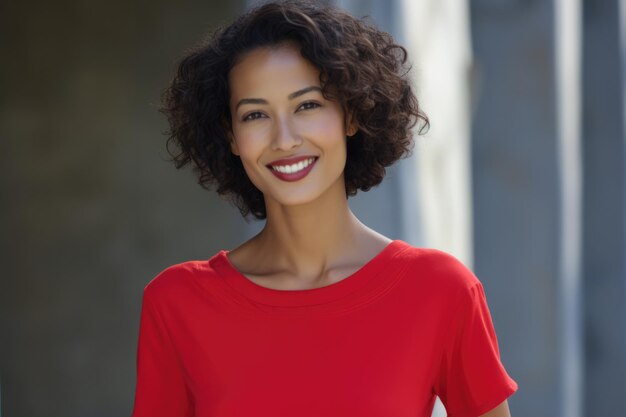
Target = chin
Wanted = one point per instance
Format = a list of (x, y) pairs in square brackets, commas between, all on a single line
[(293, 199)]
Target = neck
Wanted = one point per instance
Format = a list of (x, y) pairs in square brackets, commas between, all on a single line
[(307, 237)]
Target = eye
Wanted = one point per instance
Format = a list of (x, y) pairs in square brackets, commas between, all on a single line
[(255, 113), (309, 105)]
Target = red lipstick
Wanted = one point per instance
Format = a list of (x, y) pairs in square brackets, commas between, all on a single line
[(292, 176)]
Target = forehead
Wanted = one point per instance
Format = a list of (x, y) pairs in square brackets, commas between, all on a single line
[(271, 69)]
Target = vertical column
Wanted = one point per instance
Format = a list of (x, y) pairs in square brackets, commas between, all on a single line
[(437, 36), (523, 148), (604, 208)]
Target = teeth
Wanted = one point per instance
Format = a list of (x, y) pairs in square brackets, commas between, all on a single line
[(290, 169)]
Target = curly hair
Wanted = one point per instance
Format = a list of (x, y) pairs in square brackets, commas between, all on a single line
[(360, 66)]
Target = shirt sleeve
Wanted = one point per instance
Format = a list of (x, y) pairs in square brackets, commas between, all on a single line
[(472, 379), (160, 390)]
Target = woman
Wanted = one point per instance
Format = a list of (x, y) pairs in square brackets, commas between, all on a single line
[(289, 110)]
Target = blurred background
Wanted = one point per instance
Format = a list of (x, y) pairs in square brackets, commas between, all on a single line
[(522, 176)]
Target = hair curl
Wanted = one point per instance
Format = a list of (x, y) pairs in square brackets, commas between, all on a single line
[(362, 66)]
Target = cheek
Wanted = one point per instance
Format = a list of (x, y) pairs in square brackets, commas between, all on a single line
[(328, 129), (249, 143)]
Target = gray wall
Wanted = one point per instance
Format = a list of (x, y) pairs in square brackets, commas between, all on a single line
[(516, 202), (91, 210)]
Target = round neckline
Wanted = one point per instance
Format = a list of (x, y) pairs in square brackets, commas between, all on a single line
[(361, 279)]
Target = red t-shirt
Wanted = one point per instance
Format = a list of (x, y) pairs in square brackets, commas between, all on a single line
[(411, 324)]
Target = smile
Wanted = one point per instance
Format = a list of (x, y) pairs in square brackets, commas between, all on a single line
[(293, 172)]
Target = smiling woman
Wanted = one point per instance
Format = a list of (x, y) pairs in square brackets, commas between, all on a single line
[(360, 67), (290, 110)]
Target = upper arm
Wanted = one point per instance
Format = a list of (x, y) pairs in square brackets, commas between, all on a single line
[(500, 411), (160, 385)]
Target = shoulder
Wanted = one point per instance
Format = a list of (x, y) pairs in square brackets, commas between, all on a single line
[(438, 269), (171, 276), (175, 281)]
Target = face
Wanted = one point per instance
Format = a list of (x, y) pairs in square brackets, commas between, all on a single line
[(281, 122)]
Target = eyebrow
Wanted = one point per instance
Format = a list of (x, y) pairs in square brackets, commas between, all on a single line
[(290, 96)]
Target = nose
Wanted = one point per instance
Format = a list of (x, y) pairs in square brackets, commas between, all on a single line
[(285, 136)]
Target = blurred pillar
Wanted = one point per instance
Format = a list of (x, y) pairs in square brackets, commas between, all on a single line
[(568, 92), (437, 36), (436, 180), (604, 208), (526, 194)]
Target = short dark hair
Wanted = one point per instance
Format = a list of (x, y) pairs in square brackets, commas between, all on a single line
[(362, 66)]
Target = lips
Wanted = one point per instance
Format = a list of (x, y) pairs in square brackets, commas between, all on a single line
[(284, 168)]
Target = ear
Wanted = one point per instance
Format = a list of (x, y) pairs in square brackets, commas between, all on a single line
[(351, 125), (231, 138), (233, 145)]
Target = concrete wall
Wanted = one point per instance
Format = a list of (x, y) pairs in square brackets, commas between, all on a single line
[(516, 189), (91, 210)]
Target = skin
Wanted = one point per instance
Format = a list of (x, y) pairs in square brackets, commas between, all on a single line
[(500, 411), (311, 238)]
